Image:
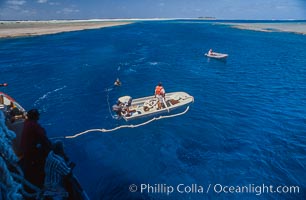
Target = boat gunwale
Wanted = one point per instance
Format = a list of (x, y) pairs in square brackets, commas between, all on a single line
[(10, 99)]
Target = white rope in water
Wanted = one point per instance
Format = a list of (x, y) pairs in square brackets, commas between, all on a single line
[(126, 126)]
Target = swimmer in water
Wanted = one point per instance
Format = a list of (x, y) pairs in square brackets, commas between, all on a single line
[(117, 82)]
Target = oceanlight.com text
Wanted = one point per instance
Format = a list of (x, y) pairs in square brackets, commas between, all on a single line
[(256, 189), (167, 189)]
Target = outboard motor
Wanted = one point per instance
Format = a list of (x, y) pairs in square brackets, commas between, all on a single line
[(117, 108), (122, 105), (126, 101)]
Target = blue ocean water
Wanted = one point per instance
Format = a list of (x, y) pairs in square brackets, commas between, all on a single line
[(246, 126)]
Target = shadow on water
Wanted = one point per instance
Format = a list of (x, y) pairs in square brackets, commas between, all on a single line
[(115, 185), (213, 60)]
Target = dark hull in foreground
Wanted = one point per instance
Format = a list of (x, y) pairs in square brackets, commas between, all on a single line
[(14, 121)]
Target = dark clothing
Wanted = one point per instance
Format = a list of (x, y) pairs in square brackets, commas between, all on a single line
[(34, 140), (35, 146)]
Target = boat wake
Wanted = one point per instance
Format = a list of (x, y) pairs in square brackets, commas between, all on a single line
[(37, 102), (107, 90)]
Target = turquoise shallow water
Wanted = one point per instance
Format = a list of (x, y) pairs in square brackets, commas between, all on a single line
[(246, 126)]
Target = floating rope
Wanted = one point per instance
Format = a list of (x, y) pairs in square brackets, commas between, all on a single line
[(126, 126)]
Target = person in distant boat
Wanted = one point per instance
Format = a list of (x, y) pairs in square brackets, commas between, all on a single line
[(210, 52), (3, 84), (160, 95), (57, 169), (35, 146), (14, 113), (1, 99), (117, 82)]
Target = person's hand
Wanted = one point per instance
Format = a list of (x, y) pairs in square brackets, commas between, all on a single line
[(72, 165)]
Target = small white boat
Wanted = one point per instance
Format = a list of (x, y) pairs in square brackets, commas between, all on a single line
[(147, 106), (217, 55)]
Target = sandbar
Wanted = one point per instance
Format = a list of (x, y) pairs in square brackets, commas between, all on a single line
[(292, 27), (9, 29)]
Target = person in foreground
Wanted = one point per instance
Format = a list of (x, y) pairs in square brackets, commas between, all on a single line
[(35, 146), (57, 169), (160, 95)]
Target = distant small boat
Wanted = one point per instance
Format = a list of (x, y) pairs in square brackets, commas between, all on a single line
[(217, 55), (147, 106)]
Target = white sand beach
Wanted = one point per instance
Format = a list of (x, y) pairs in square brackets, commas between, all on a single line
[(31, 28), (293, 27)]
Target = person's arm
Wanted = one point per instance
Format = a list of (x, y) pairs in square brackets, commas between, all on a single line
[(63, 168), (43, 139)]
